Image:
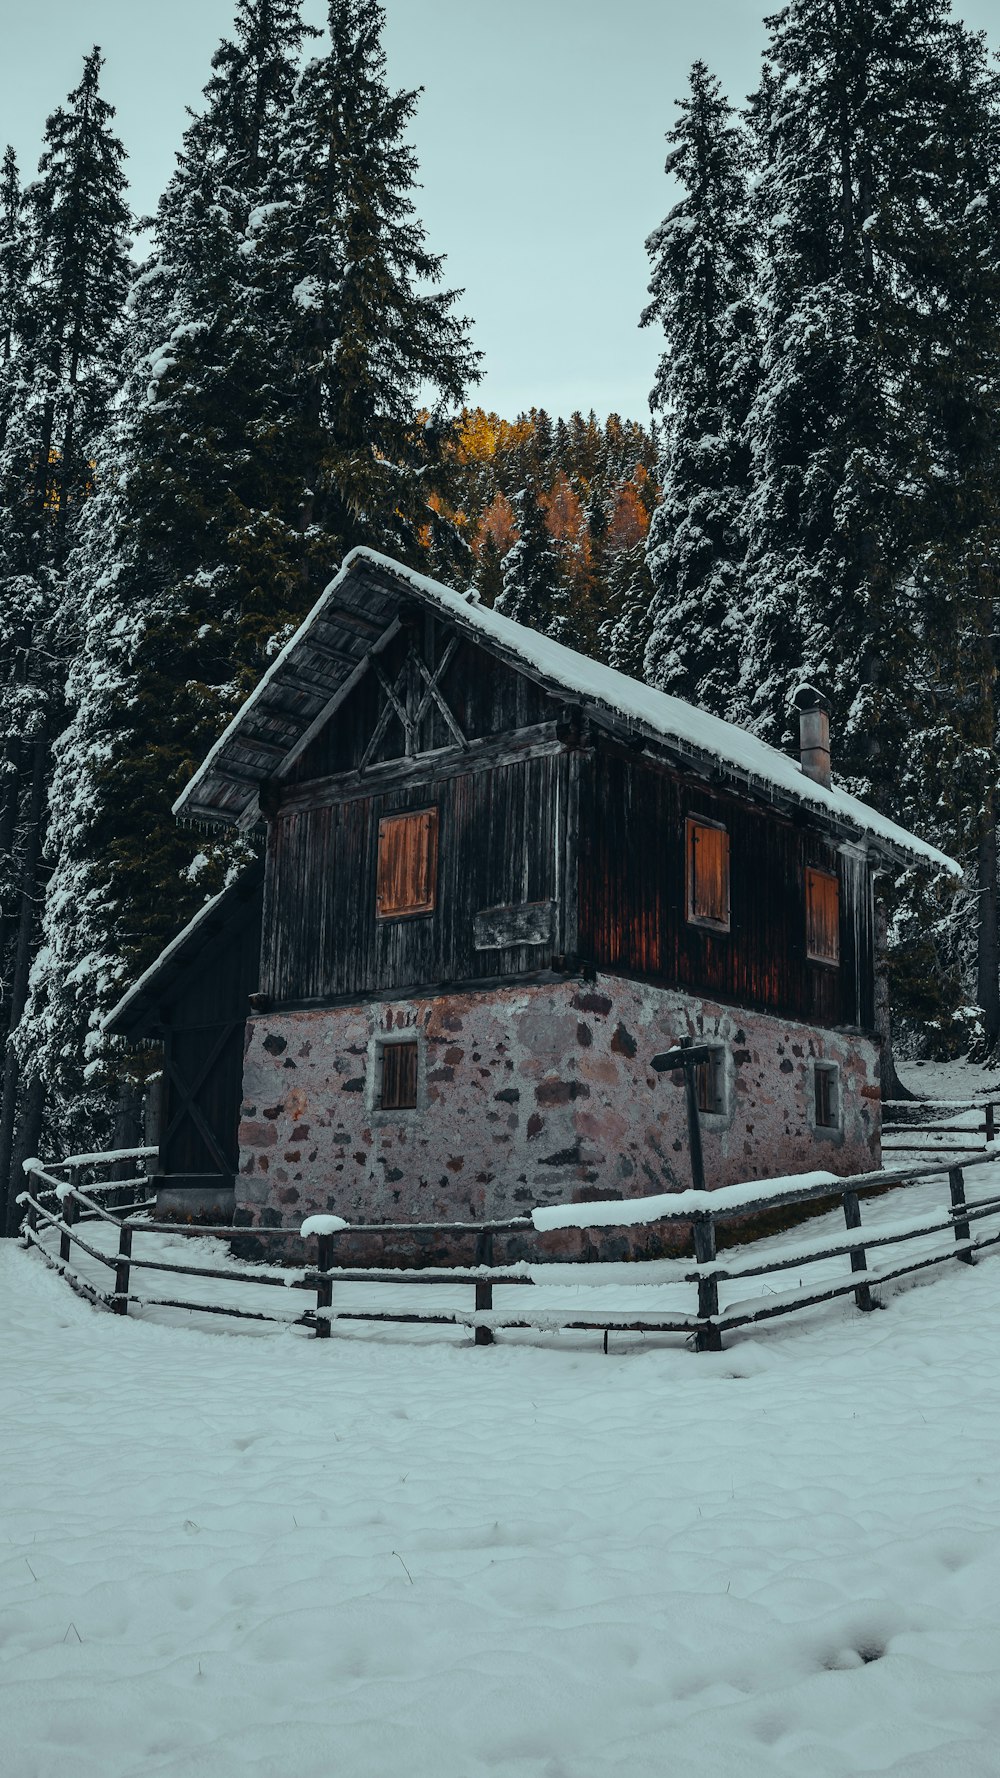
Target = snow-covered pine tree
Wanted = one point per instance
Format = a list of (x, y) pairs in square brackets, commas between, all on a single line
[(701, 291), (367, 334), (13, 270), (70, 241), (954, 523), (533, 592), (281, 336), (178, 569), (878, 382), (625, 632)]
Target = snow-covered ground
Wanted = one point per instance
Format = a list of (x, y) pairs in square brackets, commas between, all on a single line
[(230, 1549), (960, 1079), (394, 1554)]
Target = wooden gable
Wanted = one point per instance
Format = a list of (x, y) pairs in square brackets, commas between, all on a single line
[(429, 691)]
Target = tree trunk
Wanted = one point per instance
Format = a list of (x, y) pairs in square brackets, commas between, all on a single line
[(11, 1119), (988, 927), (128, 1129), (892, 1086), (31, 1104)]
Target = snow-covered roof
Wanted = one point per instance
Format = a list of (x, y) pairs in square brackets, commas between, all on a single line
[(358, 614)]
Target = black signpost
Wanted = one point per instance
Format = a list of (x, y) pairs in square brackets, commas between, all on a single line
[(688, 1056)]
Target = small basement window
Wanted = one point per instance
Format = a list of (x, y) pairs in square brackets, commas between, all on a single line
[(708, 874), (407, 864), (826, 1095), (398, 1076), (822, 917), (710, 1083)]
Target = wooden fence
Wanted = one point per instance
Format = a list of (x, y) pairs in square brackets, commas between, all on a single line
[(921, 1126), (60, 1202)]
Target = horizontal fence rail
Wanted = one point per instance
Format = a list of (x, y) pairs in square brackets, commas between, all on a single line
[(921, 1126), (63, 1200)]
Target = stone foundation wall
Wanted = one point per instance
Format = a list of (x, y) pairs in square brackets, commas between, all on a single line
[(527, 1096)]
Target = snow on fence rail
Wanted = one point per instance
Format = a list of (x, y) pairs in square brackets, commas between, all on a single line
[(58, 1206)]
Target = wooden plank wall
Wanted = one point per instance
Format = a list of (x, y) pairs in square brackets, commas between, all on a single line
[(205, 1013), (498, 844), (504, 841), (633, 904)]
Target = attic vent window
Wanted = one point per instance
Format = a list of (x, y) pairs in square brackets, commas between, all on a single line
[(398, 1087), (407, 864), (822, 917), (708, 875)]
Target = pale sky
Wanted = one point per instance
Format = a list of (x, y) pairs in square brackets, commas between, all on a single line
[(539, 135)]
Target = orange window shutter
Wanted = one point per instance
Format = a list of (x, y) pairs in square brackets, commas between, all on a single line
[(709, 873), (822, 916), (407, 864)]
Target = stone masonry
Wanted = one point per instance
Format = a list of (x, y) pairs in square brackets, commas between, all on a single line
[(532, 1095)]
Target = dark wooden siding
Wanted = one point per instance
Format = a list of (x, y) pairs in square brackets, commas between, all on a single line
[(633, 896), (500, 843)]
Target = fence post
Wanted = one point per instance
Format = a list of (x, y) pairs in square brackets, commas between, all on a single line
[(859, 1259), (123, 1270), (324, 1285), (707, 1339), (956, 1184), (484, 1292), (991, 1122), (70, 1211)]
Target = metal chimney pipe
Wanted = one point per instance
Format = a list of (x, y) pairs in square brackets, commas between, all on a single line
[(814, 733)]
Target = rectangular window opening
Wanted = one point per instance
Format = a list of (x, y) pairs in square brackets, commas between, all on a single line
[(708, 874), (710, 1083), (822, 916), (398, 1086), (407, 864), (826, 1089)]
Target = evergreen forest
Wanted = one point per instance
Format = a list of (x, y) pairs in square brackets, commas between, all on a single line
[(195, 429)]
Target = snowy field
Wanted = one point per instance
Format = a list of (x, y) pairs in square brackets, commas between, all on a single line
[(233, 1550)]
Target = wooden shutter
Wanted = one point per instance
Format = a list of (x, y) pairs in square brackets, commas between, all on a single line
[(399, 1077), (827, 1107), (407, 864), (708, 1080), (708, 874), (822, 916)]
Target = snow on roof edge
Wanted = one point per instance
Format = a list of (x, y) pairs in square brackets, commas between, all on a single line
[(668, 718)]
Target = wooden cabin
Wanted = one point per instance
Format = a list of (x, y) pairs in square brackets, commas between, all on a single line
[(498, 878)]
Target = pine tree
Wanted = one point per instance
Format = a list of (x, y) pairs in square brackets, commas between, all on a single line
[(701, 292), (873, 522), (625, 632), (533, 591), (69, 239), (366, 330), (179, 571), (13, 270), (281, 335)]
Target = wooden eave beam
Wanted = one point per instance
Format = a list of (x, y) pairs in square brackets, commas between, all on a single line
[(537, 742), (333, 703), (258, 744)]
